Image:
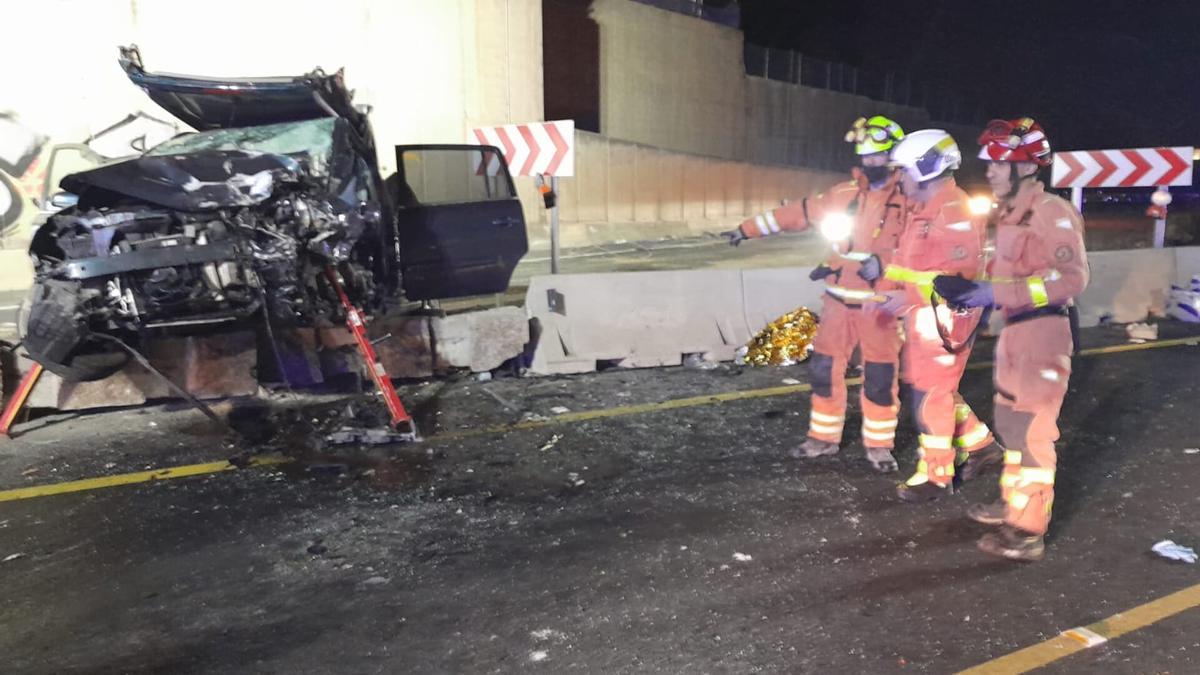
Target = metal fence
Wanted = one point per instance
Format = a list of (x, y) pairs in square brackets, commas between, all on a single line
[(943, 103), (726, 16)]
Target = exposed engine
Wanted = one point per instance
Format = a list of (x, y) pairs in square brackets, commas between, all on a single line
[(259, 237)]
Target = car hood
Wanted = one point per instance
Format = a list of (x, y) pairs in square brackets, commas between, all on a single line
[(222, 103), (200, 181)]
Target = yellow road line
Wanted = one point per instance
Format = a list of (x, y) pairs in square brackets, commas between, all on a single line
[(568, 418), (138, 477), (691, 402), (621, 411), (1072, 641)]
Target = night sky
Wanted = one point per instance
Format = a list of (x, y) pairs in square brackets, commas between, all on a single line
[(1098, 74)]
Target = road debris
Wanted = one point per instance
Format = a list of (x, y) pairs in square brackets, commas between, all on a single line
[(1169, 549), (347, 435), (1142, 331), (376, 581), (575, 479), (539, 655), (742, 557), (560, 410), (13, 557), (1191, 451), (790, 380), (551, 443), (696, 361)]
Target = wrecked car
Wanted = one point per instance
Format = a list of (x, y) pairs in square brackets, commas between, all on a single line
[(237, 223)]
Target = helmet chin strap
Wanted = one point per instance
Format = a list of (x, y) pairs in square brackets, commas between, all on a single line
[(1014, 181)]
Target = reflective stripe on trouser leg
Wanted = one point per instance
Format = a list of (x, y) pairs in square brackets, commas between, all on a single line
[(1008, 478), (1030, 499), (936, 464), (826, 427), (879, 433), (970, 434)]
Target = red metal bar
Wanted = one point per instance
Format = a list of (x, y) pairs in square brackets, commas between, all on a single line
[(354, 321), (18, 398)]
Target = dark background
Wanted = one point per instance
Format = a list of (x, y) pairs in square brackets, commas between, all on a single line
[(1098, 74)]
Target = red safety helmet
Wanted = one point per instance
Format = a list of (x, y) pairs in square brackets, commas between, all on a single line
[(1019, 140)]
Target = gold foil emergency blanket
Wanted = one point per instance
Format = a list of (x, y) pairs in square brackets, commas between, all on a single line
[(783, 342)]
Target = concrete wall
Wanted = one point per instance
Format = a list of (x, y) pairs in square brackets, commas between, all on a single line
[(625, 191), (642, 319), (670, 80)]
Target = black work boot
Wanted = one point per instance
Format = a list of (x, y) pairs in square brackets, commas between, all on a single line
[(881, 460), (976, 463), (1013, 544), (988, 514), (922, 492), (813, 448)]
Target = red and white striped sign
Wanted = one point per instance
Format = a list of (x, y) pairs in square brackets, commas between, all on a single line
[(1140, 167), (546, 148)]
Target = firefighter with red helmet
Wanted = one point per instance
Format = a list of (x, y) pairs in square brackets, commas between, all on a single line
[(1040, 267), (941, 236), (862, 218)]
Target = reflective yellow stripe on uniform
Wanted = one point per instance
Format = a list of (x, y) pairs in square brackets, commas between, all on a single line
[(827, 419), (922, 280), (1037, 291), (974, 437), (880, 425), (818, 428), (1029, 475), (1012, 456), (962, 413), (935, 442), (878, 436), (850, 293)]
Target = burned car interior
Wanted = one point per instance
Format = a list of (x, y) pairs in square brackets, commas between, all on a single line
[(238, 222)]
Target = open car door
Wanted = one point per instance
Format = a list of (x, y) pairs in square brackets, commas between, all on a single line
[(458, 220)]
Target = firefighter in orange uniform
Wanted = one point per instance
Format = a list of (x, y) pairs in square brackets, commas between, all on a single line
[(1040, 267), (863, 219), (941, 236)]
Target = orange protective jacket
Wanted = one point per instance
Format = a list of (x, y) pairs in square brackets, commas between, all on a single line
[(1040, 257), (878, 222), (940, 237)]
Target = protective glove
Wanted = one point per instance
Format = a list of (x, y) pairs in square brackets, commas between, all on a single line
[(894, 303), (962, 293), (820, 272), (735, 236), (871, 268)]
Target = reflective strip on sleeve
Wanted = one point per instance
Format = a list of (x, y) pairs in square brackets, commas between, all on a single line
[(1037, 291), (763, 228), (850, 293), (1012, 456)]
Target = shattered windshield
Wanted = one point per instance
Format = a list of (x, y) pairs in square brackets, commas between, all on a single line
[(311, 137)]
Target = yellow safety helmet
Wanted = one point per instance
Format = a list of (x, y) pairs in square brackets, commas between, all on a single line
[(877, 134)]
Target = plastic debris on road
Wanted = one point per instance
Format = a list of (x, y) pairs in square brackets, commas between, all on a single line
[(1169, 549), (1142, 331)]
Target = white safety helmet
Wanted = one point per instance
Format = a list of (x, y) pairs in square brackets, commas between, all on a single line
[(926, 154)]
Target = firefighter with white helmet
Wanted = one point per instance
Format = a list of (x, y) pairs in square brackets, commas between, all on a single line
[(941, 236)]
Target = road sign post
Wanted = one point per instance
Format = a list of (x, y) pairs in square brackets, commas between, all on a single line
[(539, 149), (1136, 167)]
